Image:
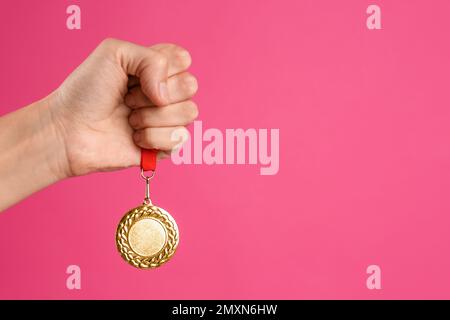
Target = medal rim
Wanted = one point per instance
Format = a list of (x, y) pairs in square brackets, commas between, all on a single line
[(139, 213)]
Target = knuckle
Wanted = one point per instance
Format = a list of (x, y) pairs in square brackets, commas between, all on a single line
[(109, 43), (183, 57), (111, 47), (168, 46), (160, 59)]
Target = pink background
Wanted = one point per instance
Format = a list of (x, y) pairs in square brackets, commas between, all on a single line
[(364, 153)]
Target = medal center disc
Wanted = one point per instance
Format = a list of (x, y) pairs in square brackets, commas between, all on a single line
[(147, 237)]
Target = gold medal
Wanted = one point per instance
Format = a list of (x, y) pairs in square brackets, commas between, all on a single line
[(147, 236)]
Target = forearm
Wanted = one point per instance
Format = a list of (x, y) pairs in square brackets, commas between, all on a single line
[(31, 153)]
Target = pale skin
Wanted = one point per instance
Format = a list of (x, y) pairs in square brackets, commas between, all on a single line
[(122, 98)]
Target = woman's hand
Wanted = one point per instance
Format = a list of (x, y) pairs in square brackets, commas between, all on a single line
[(123, 97)]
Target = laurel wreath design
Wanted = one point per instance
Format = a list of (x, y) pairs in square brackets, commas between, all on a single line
[(123, 244)]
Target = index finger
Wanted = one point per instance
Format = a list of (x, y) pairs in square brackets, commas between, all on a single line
[(178, 58)]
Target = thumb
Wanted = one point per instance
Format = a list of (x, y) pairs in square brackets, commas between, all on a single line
[(149, 65)]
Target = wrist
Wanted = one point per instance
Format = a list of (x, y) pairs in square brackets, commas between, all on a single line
[(49, 139), (33, 152)]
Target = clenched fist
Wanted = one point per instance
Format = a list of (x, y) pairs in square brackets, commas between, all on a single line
[(124, 96)]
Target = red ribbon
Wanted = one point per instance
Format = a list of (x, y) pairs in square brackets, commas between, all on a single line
[(148, 159)]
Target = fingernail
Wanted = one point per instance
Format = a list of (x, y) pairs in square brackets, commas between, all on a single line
[(164, 93)]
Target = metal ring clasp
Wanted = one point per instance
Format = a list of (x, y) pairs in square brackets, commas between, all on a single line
[(143, 176), (147, 179)]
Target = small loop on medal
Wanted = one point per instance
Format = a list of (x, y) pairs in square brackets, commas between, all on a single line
[(145, 177)]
